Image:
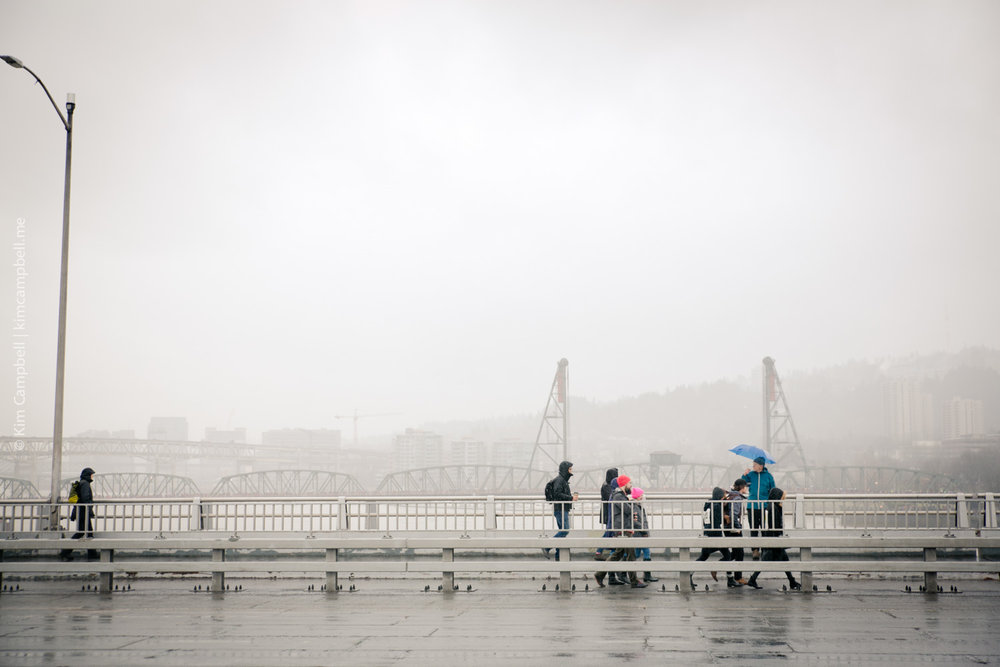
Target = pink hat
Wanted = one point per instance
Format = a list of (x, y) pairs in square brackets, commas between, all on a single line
[(622, 481), (636, 493)]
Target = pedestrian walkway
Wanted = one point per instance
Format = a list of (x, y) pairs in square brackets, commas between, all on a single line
[(502, 620)]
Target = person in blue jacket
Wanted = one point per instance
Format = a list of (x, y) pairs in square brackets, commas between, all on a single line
[(761, 482)]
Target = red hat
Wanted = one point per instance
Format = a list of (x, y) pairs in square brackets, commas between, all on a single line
[(623, 480)]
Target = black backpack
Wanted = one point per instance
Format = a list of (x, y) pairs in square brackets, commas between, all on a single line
[(550, 489)]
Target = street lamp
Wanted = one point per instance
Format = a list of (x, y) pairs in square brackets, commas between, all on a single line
[(57, 428)]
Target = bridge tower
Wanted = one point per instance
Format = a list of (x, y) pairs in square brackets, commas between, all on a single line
[(552, 432), (781, 440)]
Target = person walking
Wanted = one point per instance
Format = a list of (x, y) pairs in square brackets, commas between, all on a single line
[(610, 483), (713, 519), (774, 524), (563, 499), (734, 502), (83, 513), (623, 525), (761, 482), (642, 530)]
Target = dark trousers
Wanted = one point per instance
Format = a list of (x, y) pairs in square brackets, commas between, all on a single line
[(622, 554), (561, 512), (706, 552), (738, 556), (84, 528), (756, 520), (778, 555)]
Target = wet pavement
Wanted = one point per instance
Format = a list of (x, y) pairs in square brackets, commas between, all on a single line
[(502, 620)]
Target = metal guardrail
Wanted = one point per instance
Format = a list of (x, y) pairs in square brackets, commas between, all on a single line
[(398, 555), (390, 515)]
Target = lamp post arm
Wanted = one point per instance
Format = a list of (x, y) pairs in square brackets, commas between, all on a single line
[(54, 105)]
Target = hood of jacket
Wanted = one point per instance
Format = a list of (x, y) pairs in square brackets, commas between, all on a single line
[(775, 494), (564, 469), (87, 474), (611, 474), (718, 493)]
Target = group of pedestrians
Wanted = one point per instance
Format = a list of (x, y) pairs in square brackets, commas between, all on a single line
[(623, 515)]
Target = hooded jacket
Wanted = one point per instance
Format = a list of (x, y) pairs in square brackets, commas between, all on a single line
[(560, 489), (761, 484), (774, 519), (85, 493), (734, 508), (622, 512), (606, 490), (712, 513)]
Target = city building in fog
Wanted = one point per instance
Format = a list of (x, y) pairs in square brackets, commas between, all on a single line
[(324, 438), (516, 454), (167, 428), (235, 435), (961, 417), (468, 452), (909, 411), (417, 449)]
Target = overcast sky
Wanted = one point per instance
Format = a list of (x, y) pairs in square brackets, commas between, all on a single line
[(284, 212)]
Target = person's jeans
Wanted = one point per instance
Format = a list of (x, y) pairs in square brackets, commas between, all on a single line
[(561, 513)]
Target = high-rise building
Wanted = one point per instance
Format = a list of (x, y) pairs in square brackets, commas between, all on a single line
[(909, 411), (417, 449), (167, 428), (961, 417), (467, 453)]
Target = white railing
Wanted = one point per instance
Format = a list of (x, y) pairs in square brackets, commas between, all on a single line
[(519, 514)]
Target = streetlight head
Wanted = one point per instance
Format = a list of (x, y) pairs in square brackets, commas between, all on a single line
[(70, 102), (12, 61)]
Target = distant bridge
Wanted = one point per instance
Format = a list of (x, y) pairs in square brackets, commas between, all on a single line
[(138, 485), (288, 483)]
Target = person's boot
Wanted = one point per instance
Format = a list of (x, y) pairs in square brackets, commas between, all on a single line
[(648, 576), (600, 580), (638, 584), (794, 585), (616, 579), (753, 582), (732, 583)]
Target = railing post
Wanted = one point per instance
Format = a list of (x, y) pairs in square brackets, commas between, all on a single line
[(343, 521), (800, 511), (331, 577), (684, 578), (197, 521), (930, 578), (990, 520), (961, 512), (218, 578), (448, 578), (805, 555), (490, 520), (107, 578)]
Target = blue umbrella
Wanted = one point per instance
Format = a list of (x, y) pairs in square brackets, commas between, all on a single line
[(751, 452)]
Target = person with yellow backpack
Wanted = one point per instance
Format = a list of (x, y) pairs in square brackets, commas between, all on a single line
[(83, 513)]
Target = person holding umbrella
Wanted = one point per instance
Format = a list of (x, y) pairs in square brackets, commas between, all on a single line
[(761, 482)]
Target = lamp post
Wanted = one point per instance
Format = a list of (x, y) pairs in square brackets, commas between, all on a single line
[(57, 428)]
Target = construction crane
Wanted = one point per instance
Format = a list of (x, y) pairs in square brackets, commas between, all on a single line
[(355, 417)]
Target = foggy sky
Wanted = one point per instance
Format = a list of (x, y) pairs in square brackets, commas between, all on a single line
[(284, 212)]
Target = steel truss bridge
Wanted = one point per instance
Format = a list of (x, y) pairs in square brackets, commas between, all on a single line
[(487, 480), (288, 483), (15, 449)]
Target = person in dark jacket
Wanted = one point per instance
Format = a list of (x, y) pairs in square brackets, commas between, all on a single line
[(774, 524), (562, 502), (610, 483), (734, 508), (623, 525), (83, 513), (714, 520), (761, 482)]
